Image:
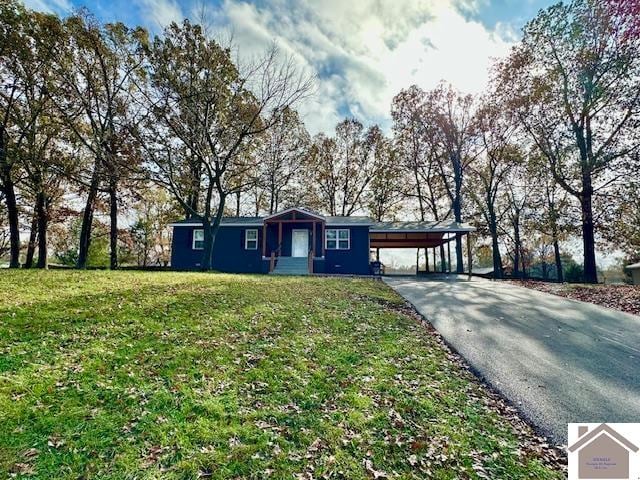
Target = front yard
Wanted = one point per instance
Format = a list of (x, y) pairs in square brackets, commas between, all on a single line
[(177, 375)]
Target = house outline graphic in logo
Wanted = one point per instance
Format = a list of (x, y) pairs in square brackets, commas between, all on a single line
[(602, 453)]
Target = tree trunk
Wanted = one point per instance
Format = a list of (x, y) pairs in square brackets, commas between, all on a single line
[(192, 198), (272, 200), (457, 212), (588, 234), (209, 239), (497, 259), (87, 219), (516, 251), (33, 235), (210, 232), (43, 225), (457, 209), (192, 201), (113, 229), (237, 204), (556, 251), (8, 188), (495, 247)]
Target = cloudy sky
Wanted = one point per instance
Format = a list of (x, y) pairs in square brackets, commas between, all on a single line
[(362, 52)]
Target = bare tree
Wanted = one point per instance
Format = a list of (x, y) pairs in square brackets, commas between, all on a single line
[(206, 113), (281, 153)]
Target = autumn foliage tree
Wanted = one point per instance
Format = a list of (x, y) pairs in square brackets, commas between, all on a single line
[(342, 167), (99, 69), (451, 116), (490, 172), (574, 80), (206, 114), (281, 151)]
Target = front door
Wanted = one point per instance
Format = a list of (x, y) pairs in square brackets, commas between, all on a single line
[(299, 243)]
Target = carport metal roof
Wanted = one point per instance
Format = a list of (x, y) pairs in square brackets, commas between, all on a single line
[(415, 234)]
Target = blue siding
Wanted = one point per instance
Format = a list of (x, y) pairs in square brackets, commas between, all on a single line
[(229, 254), (354, 261)]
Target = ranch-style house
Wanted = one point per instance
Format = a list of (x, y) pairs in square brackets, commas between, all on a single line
[(299, 241)]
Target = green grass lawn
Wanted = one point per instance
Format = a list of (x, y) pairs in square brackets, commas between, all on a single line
[(184, 375)]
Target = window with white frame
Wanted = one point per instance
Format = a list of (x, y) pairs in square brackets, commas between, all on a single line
[(337, 239), (198, 240), (251, 239)]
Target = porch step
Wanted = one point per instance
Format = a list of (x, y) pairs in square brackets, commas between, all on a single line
[(291, 266)]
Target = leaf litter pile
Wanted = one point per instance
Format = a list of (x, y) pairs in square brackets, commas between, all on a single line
[(187, 375), (625, 298)]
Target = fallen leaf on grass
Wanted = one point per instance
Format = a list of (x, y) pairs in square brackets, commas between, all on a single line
[(368, 465)]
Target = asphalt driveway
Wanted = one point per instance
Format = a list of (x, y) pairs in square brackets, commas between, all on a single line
[(557, 360)]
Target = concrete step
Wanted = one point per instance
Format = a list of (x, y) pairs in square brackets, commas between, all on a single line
[(291, 266), (275, 272)]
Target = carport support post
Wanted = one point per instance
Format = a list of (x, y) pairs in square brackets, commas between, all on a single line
[(417, 261), (435, 261), (449, 252), (469, 253)]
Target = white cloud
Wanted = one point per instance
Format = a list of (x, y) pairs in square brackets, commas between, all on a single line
[(159, 13), (365, 51), (56, 6)]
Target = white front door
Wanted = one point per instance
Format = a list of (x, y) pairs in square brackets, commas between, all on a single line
[(299, 243)]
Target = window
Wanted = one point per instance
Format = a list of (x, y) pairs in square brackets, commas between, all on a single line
[(198, 239), (337, 239), (251, 239)]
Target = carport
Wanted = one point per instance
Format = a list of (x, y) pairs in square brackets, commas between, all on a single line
[(428, 236)]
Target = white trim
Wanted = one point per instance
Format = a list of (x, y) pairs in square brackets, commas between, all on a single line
[(306, 231), (337, 239), (332, 225), (193, 239), (295, 209), (426, 230), (247, 239)]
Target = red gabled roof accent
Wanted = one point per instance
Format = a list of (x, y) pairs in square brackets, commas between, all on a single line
[(295, 209)]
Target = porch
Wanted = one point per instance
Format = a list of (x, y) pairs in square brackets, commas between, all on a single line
[(293, 241)]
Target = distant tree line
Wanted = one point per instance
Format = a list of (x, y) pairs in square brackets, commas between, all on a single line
[(107, 134)]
